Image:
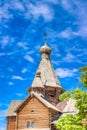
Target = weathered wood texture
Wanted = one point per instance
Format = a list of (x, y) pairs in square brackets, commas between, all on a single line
[(34, 110), (11, 123), (53, 114)]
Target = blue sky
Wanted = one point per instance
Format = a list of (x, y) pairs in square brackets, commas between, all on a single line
[(22, 27)]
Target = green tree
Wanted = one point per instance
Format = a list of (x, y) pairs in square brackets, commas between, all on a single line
[(81, 99), (69, 122), (83, 76), (74, 122)]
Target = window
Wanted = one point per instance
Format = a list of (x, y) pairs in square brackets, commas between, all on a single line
[(30, 124), (32, 111)]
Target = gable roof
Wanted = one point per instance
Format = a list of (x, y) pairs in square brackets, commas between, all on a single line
[(41, 99), (14, 104), (45, 102), (70, 107), (61, 105)]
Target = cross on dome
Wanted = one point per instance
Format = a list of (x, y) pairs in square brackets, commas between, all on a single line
[(45, 48)]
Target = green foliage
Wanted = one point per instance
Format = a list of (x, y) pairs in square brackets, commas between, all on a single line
[(74, 122), (81, 99), (66, 95), (69, 122), (83, 76)]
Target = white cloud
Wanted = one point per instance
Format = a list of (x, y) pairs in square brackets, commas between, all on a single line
[(25, 9), (23, 45), (10, 83), (4, 12), (29, 58), (2, 54), (39, 10), (63, 73), (17, 77), (55, 62), (52, 1), (17, 5), (77, 9), (67, 33), (24, 70), (6, 40), (30, 52), (67, 4), (69, 57), (19, 94)]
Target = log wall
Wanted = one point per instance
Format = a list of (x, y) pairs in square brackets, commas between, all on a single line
[(35, 111), (11, 123)]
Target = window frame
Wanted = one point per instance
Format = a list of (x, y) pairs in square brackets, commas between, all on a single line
[(30, 124)]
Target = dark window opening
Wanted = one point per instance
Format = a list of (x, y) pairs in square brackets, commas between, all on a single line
[(30, 124), (32, 111)]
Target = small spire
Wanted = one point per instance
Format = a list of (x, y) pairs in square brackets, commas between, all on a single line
[(45, 38)]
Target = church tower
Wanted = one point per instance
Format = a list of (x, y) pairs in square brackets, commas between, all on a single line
[(39, 109), (45, 81)]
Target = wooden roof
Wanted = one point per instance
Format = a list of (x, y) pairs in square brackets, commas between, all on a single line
[(37, 82), (61, 105), (70, 107), (47, 75), (42, 99), (14, 104)]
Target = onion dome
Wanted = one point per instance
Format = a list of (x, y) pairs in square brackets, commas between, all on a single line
[(45, 49)]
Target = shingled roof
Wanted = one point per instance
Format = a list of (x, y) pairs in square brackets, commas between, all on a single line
[(70, 107), (61, 105), (14, 104), (41, 99), (47, 76)]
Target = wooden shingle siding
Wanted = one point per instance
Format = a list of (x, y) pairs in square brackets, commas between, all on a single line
[(40, 114)]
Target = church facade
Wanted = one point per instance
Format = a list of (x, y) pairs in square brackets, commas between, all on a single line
[(40, 109)]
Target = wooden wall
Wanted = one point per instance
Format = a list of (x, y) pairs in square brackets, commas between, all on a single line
[(11, 123), (53, 114), (34, 110)]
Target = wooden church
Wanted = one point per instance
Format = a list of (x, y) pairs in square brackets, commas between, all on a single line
[(40, 109)]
